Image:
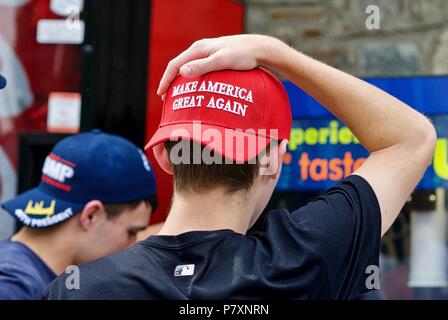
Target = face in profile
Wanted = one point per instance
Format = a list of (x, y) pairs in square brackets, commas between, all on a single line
[(107, 235)]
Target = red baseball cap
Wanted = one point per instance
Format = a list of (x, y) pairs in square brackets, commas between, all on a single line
[(234, 113)]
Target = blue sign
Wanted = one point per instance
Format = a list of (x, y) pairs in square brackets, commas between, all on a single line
[(428, 95), (322, 150)]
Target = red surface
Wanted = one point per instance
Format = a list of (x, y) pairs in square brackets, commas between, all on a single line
[(242, 107), (174, 26)]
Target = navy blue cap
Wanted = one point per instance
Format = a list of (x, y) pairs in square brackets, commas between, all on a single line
[(2, 82), (81, 168)]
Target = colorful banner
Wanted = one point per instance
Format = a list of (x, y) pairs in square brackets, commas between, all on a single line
[(323, 151)]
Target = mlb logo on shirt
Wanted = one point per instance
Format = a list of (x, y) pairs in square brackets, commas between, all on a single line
[(184, 270)]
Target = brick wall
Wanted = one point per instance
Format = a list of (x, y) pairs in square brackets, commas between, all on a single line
[(412, 39)]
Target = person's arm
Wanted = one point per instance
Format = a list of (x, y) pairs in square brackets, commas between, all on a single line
[(400, 140)]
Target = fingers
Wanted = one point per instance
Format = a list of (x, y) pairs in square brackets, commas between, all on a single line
[(202, 66), (195, 51), (190, 69)]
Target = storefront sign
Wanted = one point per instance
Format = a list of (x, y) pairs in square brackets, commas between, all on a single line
[(323, 151)]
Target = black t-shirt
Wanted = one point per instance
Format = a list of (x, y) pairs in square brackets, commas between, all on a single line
[(320, 251)]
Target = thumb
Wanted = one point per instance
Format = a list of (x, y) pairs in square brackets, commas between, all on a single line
[(201, 66)]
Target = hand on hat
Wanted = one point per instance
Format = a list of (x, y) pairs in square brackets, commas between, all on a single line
[(239, 52)]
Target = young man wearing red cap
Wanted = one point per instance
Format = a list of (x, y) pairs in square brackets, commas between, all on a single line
[(223, 135), (96, 192)]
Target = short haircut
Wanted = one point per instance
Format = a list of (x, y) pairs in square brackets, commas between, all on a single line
[(113, 211), (199, 177)]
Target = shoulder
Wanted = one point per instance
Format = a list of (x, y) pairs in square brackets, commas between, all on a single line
[(342, 204), (104, 278), (340, 230), (19, 274), (338, 213), (15, 257)]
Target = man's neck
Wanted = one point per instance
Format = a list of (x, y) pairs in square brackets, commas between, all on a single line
[(213, 210), (52, 247)]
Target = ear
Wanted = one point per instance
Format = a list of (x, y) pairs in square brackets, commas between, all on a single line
[(271, 162), (282, 148), (91, 213), (162, 158)]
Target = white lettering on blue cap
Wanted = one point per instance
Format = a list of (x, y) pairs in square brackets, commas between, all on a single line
[(145, 160), (57, 170)]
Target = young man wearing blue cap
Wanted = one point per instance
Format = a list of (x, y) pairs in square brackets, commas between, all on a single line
[(327, 249), (96, 192)]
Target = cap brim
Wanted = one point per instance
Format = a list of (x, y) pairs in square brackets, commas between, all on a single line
[(236, 145), (37, 209)]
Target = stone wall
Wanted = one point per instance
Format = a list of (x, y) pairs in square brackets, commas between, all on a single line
[(412, 39)]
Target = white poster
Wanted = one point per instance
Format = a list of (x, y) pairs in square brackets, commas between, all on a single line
[(64, 112), (66, 8), (52, 31)]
